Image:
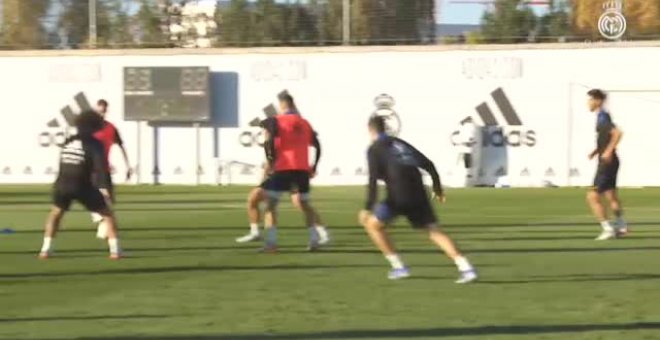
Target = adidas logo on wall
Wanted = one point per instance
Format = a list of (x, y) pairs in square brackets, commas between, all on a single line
[(507, 132), (250, 138), (56, 133)]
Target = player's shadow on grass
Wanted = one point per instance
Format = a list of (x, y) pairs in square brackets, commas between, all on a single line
[(577, 278), (350, 229), (182, 229), (186, 209), (485, 331), (346, 251), (81, 318), (216, 202), (35, 193), (540, 224), (130, 251), (557, 250), (554, 238), (431, 250), (183, 269)]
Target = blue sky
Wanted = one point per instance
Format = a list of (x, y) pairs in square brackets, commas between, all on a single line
[(453, 13), (449, 12)]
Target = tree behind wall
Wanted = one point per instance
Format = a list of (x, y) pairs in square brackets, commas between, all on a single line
[(329, 21), (318, 22), (21, 23), (643, 18), (555, 25), (369, 21), (392, 21), (75, 22), (236, 24), (122, 34), (268, 25), (300, 24), (510, 21), (152, 25)]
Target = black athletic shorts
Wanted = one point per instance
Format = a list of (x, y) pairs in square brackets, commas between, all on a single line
[(606, 174), (89, 196), (267, 183), (419, 212), (288, 181)]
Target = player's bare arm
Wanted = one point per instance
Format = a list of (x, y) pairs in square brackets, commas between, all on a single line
[(316, 144), (266, 170), (372, 189), (129, 169), (120, 142)]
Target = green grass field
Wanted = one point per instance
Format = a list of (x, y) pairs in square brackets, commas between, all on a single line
[(543, 276)]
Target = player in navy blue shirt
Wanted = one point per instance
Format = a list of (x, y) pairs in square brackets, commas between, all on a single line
[(397, 164), (607, 140)]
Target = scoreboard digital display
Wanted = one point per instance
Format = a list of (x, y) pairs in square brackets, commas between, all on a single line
[(167, 94)]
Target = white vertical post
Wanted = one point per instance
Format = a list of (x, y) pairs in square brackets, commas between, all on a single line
[(569, 146), (92, 23), (346, 22), (198, 154), (138, 154)]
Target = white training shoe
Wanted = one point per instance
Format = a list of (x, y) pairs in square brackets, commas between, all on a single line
[(251, 237), (467, 277), (622, 232), (622, 228), (101, 231), (606, 235), (97, 218), (324, 237), (398, 274)]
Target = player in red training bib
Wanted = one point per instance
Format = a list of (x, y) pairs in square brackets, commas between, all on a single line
[(258, 195), (109, 136), (288, 138)]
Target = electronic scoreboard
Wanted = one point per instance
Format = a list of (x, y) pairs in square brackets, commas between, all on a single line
[(167, 94)]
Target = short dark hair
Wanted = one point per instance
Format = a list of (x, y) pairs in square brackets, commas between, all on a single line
[(287, 98), (377, 123), (88, 122), (597, 94), (102, 102)]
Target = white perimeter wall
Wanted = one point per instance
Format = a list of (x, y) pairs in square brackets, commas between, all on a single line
[(433, 91)]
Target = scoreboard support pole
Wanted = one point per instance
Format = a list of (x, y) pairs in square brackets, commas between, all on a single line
[(156, 169), (198, 156), (138, 154)]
